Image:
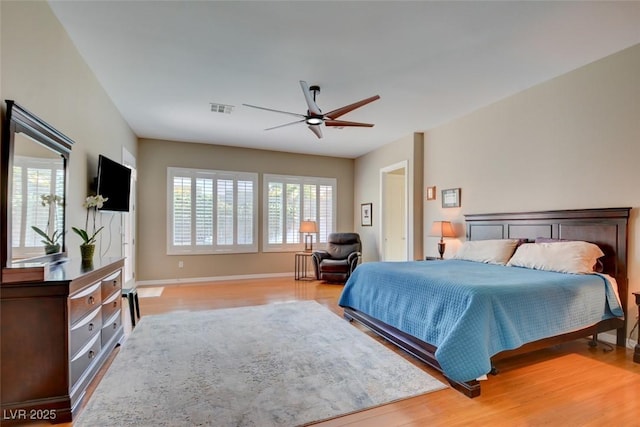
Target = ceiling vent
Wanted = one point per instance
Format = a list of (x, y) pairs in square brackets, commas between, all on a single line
[(221, 108)]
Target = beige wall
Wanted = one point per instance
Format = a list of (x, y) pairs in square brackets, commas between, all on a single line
[(572, 142), (367, 190), (153, 263), (41, 70)]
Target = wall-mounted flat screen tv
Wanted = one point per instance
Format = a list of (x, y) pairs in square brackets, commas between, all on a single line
[(114, 183)]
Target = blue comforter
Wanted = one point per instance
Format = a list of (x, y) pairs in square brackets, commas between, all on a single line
[(471, 311)]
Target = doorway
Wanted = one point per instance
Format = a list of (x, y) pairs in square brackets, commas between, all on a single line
[(129, 224), (393, 213)]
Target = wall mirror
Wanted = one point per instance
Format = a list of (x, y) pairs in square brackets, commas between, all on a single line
[(34, 174)]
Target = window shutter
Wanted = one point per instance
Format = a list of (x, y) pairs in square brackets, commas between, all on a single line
[(222, 216), (204, 211), (276, 210), (292, 199), (245, 212), (225, 212), (181, 211)]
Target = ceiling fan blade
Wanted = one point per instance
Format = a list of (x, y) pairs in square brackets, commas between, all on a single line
[(316, 129), (275, 111), (311, 103), (347, 108), (286, 124), (342, 123)]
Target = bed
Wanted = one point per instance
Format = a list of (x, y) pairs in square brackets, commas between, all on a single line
[(461, 316)]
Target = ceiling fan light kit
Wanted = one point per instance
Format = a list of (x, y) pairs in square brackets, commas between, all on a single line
[(314, 117)]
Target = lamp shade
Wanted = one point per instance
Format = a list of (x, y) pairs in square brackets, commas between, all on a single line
[(308, 227), (442, 229)]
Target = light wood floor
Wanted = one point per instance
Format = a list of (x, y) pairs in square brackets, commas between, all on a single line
[(568, 385)]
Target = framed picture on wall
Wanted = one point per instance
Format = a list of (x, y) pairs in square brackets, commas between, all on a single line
[(365, 214), (431, 193), (451, 198)]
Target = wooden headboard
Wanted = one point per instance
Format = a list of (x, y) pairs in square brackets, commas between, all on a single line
[(605, 227)]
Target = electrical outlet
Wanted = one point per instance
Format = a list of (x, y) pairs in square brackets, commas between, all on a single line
[(180, 264)]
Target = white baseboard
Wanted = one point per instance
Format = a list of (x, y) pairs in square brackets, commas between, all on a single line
[(201, 280)]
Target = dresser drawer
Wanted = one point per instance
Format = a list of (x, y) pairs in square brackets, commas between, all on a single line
[(110, 326), (111, 284), (81, 361), (110, 306), (84, 301), (82, 331)]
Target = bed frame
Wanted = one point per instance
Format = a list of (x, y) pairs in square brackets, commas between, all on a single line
[(605, 227)]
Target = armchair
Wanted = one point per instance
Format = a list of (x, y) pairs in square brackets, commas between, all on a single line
[(342, 256)]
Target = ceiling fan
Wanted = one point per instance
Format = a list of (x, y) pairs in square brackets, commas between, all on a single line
[(315, 117)]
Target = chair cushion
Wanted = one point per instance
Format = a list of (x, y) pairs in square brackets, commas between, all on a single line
[(334, 265)]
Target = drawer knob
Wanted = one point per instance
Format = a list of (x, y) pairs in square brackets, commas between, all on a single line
[(92, 354), (90, 326), (115, 304), (115, 325), (115, 283), (92, 300)]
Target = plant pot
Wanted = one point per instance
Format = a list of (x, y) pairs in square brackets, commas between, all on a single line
[(86, 253), (52, 249)]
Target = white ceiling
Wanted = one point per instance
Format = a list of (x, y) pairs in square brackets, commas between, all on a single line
[(162, 63)]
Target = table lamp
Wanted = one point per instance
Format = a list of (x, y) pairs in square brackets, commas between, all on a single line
[(308, 227), (442, 229)]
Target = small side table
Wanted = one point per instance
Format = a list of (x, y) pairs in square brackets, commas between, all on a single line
[(636, 353), (302, 263)]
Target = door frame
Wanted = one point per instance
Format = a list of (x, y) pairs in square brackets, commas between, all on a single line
[(129, 276), (404, 164)]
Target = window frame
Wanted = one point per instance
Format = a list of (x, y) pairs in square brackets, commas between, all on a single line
[(318, 240), (56, 186), (214, 248)]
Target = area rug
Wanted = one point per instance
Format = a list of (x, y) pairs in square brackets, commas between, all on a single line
[(285, 364)]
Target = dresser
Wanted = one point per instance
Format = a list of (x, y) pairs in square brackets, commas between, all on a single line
[(55, 335)]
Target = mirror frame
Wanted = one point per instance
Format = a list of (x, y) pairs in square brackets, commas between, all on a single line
[(20, 120)]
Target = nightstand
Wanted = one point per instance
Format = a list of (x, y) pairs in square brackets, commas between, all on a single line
[(636, 353), (301, 267)]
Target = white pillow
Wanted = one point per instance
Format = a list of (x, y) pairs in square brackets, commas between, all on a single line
[(487, 251), (565, 257)]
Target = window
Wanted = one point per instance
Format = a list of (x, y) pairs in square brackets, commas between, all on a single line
[(211, 211), (36, 177), (288, 200)]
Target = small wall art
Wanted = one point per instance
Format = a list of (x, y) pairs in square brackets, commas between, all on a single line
[(431, 193), (451, 198), (366, 219)]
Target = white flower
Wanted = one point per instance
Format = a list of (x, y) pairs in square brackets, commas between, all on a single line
[(96, 201), (91, 204), (50, 199)]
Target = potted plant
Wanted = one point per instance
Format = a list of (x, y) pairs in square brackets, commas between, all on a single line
[(51, 245), (87, 248)]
